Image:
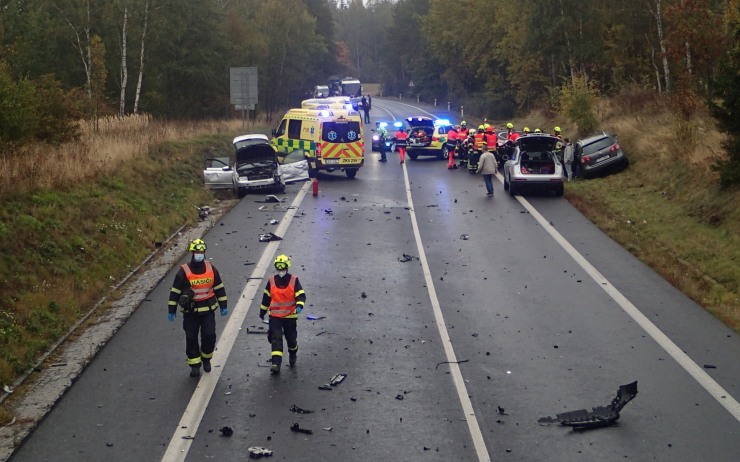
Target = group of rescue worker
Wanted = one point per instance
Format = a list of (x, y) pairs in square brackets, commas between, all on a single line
[(199, 291)]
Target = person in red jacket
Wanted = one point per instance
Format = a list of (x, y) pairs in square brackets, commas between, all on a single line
[(400, 138), (451, 146), (283, 300)]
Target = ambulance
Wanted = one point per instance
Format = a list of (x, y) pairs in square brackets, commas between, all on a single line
[(332, 139), (335, 102)]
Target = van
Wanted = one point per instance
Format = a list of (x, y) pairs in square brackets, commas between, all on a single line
[(332, 139)]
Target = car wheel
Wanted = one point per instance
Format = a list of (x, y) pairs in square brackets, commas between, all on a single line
[(350, 172), (413, 156), (445, 154), (559, 189), (506, 184), (512, 189), (241, 192)]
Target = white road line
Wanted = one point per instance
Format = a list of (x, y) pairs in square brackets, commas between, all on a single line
[(457, 378), (188, 426), (724, 398)]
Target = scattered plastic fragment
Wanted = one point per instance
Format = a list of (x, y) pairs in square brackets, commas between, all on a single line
[(710, 366), (399, 397), (313, 317), (273, 198), (464, 237), (203, 212), (297, 428), (8, 389), (328, 429), (226, 431), (601, 416), (452, 362), (329, 211), (406, 258), (257, 452), (501, 410), (267, 237), (298, 410), (274, 222), (337, 379), (325, 387), (363, 295)]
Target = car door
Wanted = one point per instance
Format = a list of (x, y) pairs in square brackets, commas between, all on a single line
[(217, 173), (294, 167)]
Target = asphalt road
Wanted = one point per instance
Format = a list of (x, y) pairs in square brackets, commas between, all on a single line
[(542, 312)]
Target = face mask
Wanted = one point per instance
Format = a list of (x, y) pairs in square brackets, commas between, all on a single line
[(199, 257), (282, 273)]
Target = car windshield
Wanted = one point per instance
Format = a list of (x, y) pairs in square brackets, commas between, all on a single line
[(352, 89), (341, 131), (598, 145), (248, 142)]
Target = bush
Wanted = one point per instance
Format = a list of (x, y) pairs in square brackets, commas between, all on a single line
[(577, 101)]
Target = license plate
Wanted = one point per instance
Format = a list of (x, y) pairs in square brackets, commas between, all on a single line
[(331, 161), (349, 161), (601, 159)]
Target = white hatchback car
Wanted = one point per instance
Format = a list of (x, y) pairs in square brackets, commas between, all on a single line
[(534, 164), (256, 166)]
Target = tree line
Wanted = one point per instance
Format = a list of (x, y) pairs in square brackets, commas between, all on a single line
[(64, 59)]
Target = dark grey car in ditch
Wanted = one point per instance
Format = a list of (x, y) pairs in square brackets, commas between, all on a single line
[(599, 154)]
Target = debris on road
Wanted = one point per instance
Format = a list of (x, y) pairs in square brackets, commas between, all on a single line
[(328, 211), (267, 237), (203, 212), (337, 379), (325, 387), (298, 410), (464, 237), (601, 416), (313, 317), (406, 258), (274, 221), (452, 362), (226, 431), (363, 295), (501, 410), (257, 452), (710, 366), (273, 198), (399, 397), (297, 428)]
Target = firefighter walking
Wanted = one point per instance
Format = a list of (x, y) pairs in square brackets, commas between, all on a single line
[(198, 290), (282, 300), (400, 138)]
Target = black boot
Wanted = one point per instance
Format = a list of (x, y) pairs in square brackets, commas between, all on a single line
[(195, 370), (207, 364), (293, 357), (275, 368)]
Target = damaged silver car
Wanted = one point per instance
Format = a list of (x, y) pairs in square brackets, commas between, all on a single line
[(256, 166)]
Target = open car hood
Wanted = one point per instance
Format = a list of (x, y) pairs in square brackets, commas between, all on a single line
[(259, 152), (420, 121)]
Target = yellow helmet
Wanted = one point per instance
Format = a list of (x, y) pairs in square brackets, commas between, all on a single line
[(282, 262), (463, 123), (197, 245), (537, 130), (481, 128), (557, 129), (526, 130), (510, 125)]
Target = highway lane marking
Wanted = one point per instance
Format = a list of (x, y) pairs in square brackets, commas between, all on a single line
[(191, 418), (724, 398), (462, 392)]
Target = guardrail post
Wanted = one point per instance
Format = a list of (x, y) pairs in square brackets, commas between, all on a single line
[(462, 111), (448, 105), (399, 96), (417, 99), (435, 102)]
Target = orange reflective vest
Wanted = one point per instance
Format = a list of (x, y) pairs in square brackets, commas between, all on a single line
[(491, 139), (452, 135), (282, 301), (480, 140), (202, 285), (462, 133)]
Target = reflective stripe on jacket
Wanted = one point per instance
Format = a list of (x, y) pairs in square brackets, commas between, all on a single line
[(480, 139), (202, 285), (282, 301)]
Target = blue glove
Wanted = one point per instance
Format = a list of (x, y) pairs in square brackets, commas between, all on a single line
[(298, 309), (171, 316), (224, 311)]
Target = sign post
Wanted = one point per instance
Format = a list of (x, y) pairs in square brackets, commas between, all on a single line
[(243, 88)]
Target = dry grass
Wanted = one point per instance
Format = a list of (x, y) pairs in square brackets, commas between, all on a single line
[(101, 149), (669, 211)]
